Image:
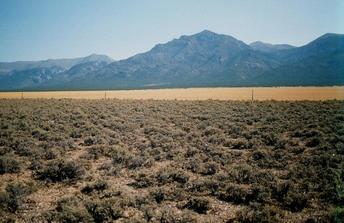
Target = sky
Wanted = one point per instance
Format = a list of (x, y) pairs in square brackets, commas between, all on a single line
[(43, 29)]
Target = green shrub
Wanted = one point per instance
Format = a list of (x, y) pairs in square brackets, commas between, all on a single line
[(266, 214), (104, 211), (259, 154), (11, 199), (209, 168), (171, 175), (89, 141), (237, 194), (337, 215), (60, 170), (209, 130), (203, 186), (270, 139), (242, 173), (94, 152), (49, 154), (169, 215), (9, 164), (120, 156), (313, 142), (136, 162), (142, 180), (40, 134), (158, 195), (240, 143), (279, 191), (69, 210), (199, 205), (97, 186), (75, 134), (295, 201)]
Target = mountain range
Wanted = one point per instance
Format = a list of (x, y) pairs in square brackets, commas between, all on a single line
[(205, 59)]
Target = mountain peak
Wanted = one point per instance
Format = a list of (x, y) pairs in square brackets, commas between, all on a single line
[(100, 56), (203, 34), (332, 40), (97, 57), (331, 35), (210, 36), (260, 43), (202, 59), (207, 32)]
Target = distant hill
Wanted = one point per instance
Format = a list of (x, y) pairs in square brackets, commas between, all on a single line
[(203, 59), (267, 47), (35, 74), (63, 63), (321, 62)]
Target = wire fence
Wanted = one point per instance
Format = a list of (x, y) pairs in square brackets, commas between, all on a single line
[(248, 94)]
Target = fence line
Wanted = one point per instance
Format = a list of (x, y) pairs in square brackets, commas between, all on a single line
[(249, 94)]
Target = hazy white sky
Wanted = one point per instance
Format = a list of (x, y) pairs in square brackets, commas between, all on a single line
[(41, 29)]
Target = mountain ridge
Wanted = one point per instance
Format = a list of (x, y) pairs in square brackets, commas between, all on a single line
[(202, 59), (62, 62)]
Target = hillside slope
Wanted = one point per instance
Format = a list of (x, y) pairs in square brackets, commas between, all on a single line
[(203, 59)]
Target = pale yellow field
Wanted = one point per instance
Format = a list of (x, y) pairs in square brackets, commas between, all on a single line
[(259, 93)]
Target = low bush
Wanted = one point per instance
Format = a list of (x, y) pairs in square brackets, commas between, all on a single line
[(104, 211), (167, 214), (198, 204), (75, 134), (171, 175), (40, 134), (136, 162), (313, 142), (120, 156), (89, 141), (337, 215), (158, 195), (94, 152), (280, 190), (237, 194), (203, 186), (97, 186), (270, 139), (209, 168), (8, 164), (240, 143), (259, 214), (242, 174), (143, 180), (295, 201), (11, 199), (69, 210), (60, 170)]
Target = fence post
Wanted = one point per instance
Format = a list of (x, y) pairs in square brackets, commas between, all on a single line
[(252, 95)]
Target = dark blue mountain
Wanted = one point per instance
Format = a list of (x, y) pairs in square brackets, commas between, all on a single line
[(203, 59)]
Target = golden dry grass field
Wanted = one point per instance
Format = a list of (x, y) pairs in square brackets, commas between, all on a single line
[(244, 93)]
